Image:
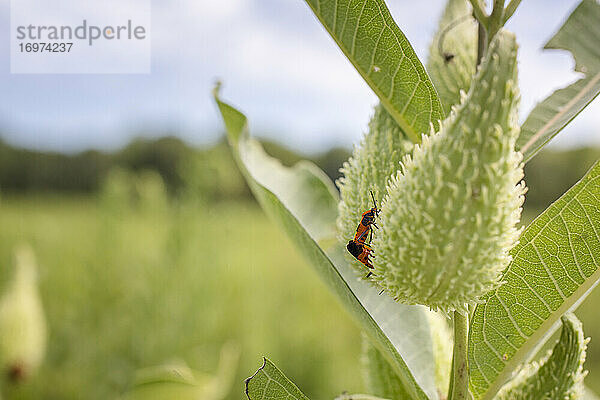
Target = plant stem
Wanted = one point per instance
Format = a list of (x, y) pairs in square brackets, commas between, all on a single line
[(496, 20), (510, 9), (479, 12), (481, 43), (460, 362)]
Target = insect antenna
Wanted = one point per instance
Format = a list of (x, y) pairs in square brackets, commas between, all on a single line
[(374, 202)]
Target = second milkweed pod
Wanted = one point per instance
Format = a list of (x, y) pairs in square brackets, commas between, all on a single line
[(453, 53), (372, 163), (22, 322), (451, 213)]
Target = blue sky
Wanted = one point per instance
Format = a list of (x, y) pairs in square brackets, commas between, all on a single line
[(277, 64)]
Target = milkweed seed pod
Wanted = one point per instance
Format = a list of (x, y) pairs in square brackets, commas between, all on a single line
[(449, 218), (453, 53), (372, 164), (22, 323)]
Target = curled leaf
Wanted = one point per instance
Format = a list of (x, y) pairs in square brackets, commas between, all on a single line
[(559, 375), (304, 203)]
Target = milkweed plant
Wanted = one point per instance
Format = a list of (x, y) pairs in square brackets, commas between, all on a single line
[(460, 298)]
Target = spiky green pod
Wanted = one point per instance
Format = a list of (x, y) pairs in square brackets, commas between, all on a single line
[(22, 323), (449, 219), (372, 164)]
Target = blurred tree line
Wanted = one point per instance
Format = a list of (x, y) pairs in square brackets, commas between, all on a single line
[(211, 172)]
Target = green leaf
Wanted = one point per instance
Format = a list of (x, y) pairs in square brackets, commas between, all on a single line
[(453, 53), (555, 265), (381, 380), (304, 203), (269, 383), (578, 35), (558, 376), (369, 37)]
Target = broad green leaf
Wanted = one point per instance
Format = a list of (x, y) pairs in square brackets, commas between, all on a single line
[(453, 53), (304, 202), (580, 35), (269, 383), (381, 380), (558, 376), (555, 265), (369, 37)]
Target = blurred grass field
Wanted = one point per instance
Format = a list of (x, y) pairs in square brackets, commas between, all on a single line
[(134, 276), (129, 287)]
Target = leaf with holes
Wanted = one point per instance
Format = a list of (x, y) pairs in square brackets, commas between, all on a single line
[(269, 383), (555, 265), (371, 40), (579, 35)]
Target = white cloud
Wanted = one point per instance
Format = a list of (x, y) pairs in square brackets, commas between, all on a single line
[(278, 65)]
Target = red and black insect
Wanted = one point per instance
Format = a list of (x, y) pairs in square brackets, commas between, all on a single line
[(358, 246)]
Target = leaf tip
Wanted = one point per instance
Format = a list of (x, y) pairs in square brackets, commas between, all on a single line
[(217, 89), (247, 380)]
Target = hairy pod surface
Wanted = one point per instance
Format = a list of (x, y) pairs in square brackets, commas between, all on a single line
[(449, 218), (372, 164)]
